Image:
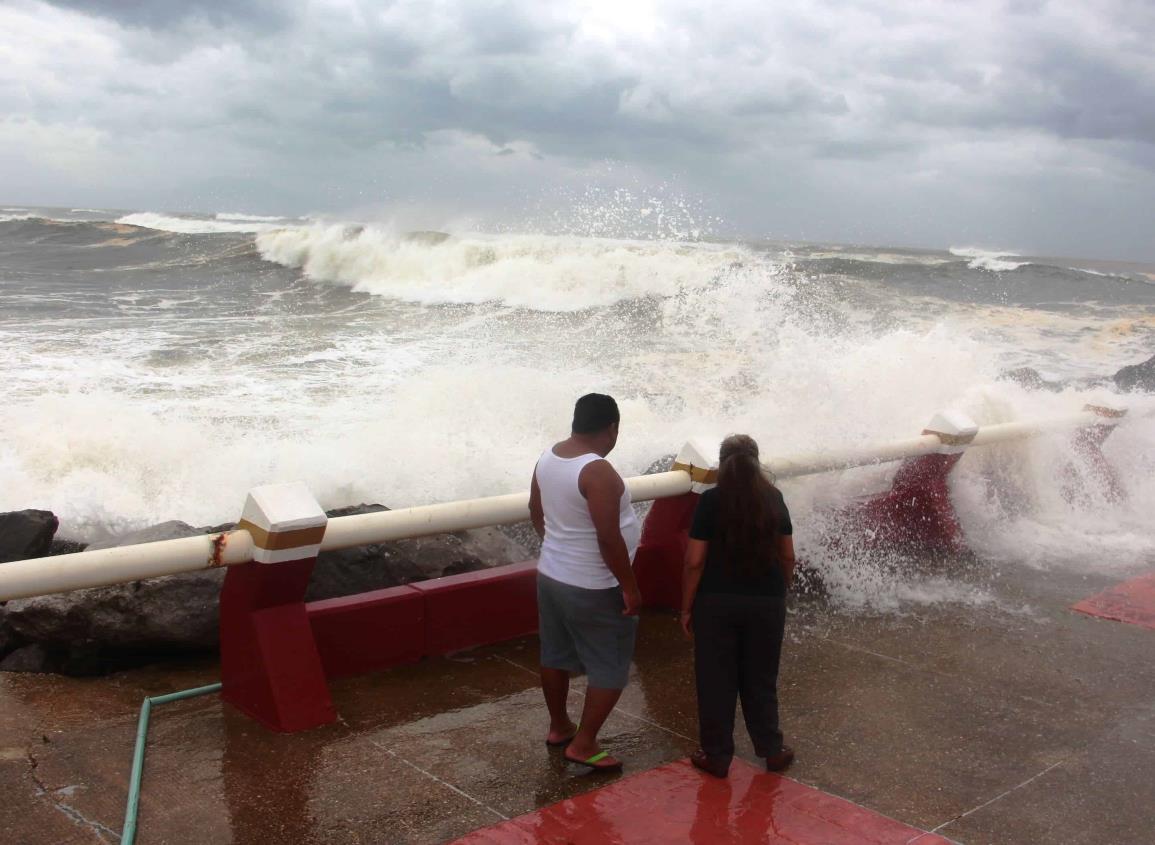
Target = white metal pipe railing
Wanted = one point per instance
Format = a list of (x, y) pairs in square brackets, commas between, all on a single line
[(104, 567), (346, 531), (830, 460)]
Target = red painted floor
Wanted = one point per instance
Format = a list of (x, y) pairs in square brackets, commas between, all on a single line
[(1132, 602), (676, 803)]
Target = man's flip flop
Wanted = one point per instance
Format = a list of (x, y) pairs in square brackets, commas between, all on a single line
[(592, 762), (562, 743)]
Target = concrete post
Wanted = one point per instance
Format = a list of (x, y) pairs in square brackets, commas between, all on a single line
[(270, 666), (917, 511), (1088, 442), (658, 563)]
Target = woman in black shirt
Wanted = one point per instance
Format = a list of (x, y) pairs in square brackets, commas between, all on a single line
[(739, 564)]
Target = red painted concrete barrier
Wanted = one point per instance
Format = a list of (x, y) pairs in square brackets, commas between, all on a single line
[(270, 667), (658, 563), (369, 632), (276, 651), (476, 608), (677, 803), (1132, 602)]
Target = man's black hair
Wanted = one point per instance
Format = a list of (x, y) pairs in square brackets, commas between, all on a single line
[(594, 412)]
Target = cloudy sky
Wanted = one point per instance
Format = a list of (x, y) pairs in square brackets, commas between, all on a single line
[(1018, 124)]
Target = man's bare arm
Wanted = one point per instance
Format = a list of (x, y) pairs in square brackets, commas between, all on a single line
[(536, 512), (603, 489)]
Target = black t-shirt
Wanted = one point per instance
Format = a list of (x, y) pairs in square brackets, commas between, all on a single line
[(719, 576)]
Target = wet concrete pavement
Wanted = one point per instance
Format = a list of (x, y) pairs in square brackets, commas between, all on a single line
[(1018, 721)]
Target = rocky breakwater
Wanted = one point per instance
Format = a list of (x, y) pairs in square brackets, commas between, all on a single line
[(1137, 377), (1132, 378), (103, 629)]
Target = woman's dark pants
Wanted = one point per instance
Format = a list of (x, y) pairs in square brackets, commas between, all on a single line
[(737, 647)]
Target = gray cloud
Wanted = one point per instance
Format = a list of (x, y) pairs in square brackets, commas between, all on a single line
[(788, 121), (166, 14)]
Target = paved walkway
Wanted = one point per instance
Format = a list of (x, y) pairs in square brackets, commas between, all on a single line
[(1016, 722)]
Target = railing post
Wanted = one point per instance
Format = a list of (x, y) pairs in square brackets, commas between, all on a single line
[(1088, 442), (917, 511), (270, 667), (658, 563)]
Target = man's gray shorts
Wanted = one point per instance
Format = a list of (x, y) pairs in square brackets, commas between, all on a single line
[(584, 630)]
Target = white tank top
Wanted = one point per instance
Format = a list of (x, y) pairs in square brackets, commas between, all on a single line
[(569, 552)]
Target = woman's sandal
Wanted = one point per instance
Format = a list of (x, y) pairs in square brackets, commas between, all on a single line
[(592, 762), (710, 767)]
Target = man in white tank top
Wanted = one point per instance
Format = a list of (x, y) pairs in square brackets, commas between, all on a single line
[(588, 599)]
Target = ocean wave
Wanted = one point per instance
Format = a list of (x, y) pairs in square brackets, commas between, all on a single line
[(891, 258), (987, 259), (1143, 278), (15, 218), (249, 218), (192, 225), (536, 272)]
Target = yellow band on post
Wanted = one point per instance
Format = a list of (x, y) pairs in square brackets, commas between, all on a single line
[(277, 541), (699, 475)]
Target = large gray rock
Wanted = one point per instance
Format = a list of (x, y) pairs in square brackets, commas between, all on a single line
[(174, 529), (1031, 379), (177, 611), (8, 638), (88, 631), (375, 567), (30, 658), (1137, 376), (26, 534)]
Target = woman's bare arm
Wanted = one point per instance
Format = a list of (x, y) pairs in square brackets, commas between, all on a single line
[(691, 576), (786, 556)]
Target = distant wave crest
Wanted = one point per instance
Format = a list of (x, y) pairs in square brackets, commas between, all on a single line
[(538, 272), (250, 218), (987, 259), (192, 225)]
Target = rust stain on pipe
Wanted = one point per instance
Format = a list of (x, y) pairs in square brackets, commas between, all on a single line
[(219, 543)]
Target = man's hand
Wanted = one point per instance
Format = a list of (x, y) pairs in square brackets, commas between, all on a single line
[(633, 599), (687, 620)]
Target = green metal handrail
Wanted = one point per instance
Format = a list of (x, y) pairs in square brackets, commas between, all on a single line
[(130, 811)]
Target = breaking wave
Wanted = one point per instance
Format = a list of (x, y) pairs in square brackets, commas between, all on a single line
[(536, 272)]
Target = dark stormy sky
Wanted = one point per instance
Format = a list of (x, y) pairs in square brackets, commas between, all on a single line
[(1017, 124)]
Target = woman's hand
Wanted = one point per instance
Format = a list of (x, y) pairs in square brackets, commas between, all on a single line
[(687, 620)]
